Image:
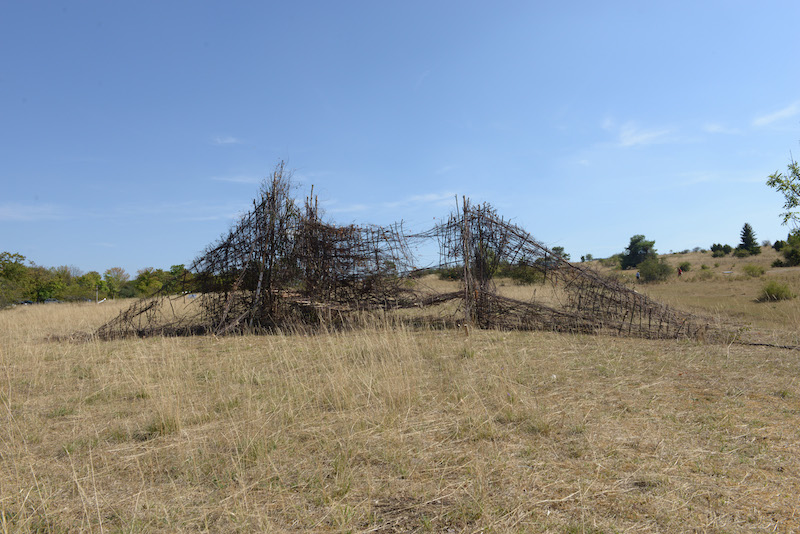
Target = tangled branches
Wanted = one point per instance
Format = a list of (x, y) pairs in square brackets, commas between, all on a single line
[(281, 266)]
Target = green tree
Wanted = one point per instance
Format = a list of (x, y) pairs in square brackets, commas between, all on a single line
[(13, 278), (148, 281), (115, 277), (790, 250), (45, 283), (128, 290), (68, 275), (789, 185), (92, 285), (559, 251), (178, 279), (638, 250), (749, 243)]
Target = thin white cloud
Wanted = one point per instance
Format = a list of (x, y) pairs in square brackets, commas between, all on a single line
[(631, 135), (238, 179), (181, 211), (30, 212), (350, 208), (206, 218), (226, 140), (720, 129), (789, 111), (697, 177), (445, 169), (435, 199), (413, 201), (738, 177), (310, 175)]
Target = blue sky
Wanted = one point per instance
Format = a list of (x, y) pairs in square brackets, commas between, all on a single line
[(133, 134)]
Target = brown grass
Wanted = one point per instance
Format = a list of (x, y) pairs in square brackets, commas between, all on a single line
[(391, 429)]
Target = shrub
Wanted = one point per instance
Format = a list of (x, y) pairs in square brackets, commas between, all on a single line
[(520, 273), (741, 253), (704, 267), (791, 254), (718, 250), (653, 270), (451, 273), (704, 275), (685, 266), (776, 291), (790, 250), (525, 274), (611, 261), (753, 270)]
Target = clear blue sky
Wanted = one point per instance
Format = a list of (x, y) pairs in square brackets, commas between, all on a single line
[(133, 133)]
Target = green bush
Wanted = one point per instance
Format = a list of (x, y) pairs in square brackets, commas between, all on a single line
[(791, 254), (521, 273), (718, 250), (653, 270), (776, 291), (685, 266), (741, 253), (753, 270), (525, 274), (451, 273)]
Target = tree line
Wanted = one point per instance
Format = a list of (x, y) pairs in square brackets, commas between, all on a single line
[(26, 282)]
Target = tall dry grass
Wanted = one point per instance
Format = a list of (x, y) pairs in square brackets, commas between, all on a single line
[(390, 429)]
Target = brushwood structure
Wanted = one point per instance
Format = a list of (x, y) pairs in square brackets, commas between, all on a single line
[(282, 267)]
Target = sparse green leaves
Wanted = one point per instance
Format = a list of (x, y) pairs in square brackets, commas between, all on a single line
[(789, 186)]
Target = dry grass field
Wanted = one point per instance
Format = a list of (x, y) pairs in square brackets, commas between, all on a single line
[(393, 429), (725, 289)]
